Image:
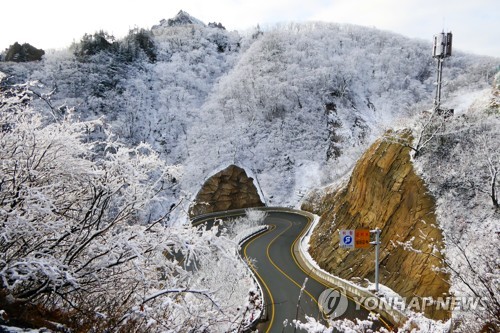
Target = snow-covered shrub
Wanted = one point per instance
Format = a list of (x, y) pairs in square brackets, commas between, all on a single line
[(461, 165), (252, 219), (311, 325), (80, 232)]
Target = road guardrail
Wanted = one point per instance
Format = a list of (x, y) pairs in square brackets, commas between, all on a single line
[(386, 310)]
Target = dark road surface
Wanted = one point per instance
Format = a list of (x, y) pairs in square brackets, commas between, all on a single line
[(281, 277)]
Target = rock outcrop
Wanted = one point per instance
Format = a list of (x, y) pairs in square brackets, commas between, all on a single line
[(383, 192), (228, 189), (182, 18)]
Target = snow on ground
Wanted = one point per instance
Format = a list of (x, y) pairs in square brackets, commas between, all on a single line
[(295, 105), (11, 329), (461, 103)]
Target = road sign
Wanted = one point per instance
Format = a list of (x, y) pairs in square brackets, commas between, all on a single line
[(347, 239), (362, 238)]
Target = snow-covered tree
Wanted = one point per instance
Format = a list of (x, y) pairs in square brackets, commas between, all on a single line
[(83, 232), (461, 165)]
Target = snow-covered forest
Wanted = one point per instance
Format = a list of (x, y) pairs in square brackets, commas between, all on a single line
[(105, 144), (82, 244), (461, 164), (290, 103)]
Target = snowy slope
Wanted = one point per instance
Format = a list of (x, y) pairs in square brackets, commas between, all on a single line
[(303, 98), (461, 167), (296, 104)]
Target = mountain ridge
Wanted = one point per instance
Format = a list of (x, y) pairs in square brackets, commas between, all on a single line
[(182, 18), (296, 104), (323, 92)]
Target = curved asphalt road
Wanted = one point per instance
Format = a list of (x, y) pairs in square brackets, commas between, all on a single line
[(281, 276)]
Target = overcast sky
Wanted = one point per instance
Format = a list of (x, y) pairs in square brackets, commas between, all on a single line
[(56, 24)]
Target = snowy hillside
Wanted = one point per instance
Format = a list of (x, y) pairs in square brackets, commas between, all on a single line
[(462, 167), (304, 95), (295, 104), (114, 135)]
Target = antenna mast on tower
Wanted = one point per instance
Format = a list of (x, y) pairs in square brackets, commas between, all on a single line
[(440, 50)]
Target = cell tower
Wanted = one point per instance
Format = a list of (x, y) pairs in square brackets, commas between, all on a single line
[(440, 50)]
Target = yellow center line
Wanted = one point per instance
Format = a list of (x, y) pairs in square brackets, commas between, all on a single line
[(309, 220), (279, 269), (260, 277)]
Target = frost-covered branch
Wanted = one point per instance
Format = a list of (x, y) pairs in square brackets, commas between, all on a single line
[(82, 229), (203, 293)]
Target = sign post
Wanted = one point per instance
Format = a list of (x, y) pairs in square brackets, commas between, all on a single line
[(360, 239), (377, 249)]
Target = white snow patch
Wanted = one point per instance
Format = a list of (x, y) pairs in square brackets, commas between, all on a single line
[(11, 329), (469, 101)]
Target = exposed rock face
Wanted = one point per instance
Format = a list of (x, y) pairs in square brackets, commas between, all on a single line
[(23, 53), (383, 192), (228, 189)]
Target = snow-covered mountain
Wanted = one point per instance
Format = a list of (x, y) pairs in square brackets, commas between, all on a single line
[(182, 18), (295, 104)]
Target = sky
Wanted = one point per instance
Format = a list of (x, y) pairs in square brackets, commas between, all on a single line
[(55, 24)]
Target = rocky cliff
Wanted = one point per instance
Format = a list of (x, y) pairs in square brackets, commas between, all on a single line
[(228, 189), (383, 192)]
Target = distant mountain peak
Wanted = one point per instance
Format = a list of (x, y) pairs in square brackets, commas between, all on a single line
[(182, 18)]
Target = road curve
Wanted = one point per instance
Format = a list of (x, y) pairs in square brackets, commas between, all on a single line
[(282, 277), (280, 274)]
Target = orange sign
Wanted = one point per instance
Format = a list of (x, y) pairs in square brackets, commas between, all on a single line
[(362, 238)]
